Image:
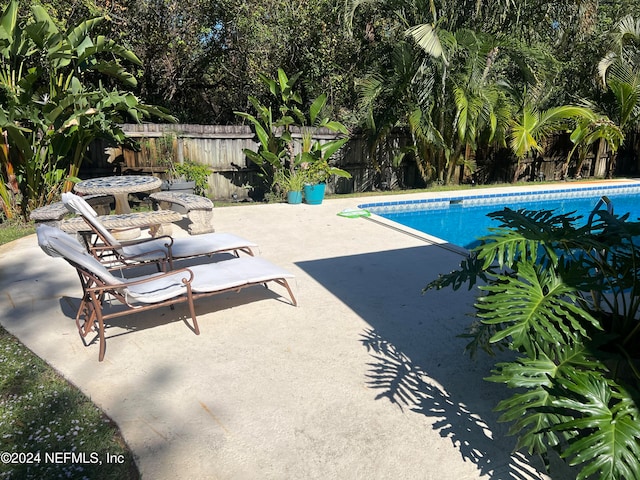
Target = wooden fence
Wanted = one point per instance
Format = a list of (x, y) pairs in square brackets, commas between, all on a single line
[(234, 176)]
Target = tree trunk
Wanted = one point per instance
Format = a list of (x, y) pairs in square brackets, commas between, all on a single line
[(518, 171), (611, 164), (453, 162)]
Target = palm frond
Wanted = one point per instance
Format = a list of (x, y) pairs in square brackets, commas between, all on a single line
[(350, 9), (426, 36)]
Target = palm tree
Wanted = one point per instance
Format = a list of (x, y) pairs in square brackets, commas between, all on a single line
[(532, 125), (465, 101), (398, 98), (452, 93), (446, 93), (619, 72)]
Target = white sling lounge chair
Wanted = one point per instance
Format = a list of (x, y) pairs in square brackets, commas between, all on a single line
[(155, 290), (161, 250)]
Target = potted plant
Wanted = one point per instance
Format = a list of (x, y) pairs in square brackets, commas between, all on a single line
[(190, 175), (275, 152), (187, 176), (314, 162), (291, 182)]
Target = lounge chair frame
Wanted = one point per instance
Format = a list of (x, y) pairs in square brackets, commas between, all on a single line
[(98, 284), (96, 292), (112, 252)]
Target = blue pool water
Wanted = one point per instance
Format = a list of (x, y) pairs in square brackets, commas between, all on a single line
[(461, 220)]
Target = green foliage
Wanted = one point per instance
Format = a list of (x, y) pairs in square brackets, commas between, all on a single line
[(202, 58), (41, 412), (11, 230), (54, 102), (163, 149), (275, 147), (193, 172), (565, 298), (289, 181), (277, 150), (183, 55)]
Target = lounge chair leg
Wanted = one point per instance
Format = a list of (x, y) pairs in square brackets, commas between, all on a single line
[(103, 342), (285, 284), (192, 310), (97, 305)]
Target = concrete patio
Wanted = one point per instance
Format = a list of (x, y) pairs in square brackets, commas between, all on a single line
[(365, 379)]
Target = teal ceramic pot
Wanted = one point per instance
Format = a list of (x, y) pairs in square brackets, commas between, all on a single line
[(314, 194), (294, 197)]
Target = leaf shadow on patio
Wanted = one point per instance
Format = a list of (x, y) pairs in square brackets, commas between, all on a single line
[(417, 360)]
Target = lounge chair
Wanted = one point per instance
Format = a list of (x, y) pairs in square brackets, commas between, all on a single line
[(154, 290), (161, 250)]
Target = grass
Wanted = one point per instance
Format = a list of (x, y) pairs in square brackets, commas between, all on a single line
[(14, 230), (49, 428)]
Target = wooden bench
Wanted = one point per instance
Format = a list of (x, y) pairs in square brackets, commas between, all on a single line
[(199, 210), (53, 213)]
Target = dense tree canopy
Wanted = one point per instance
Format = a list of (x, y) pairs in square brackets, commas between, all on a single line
[(202, 58), (464, 77)]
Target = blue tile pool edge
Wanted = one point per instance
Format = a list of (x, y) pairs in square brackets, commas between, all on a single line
[(498, 197)]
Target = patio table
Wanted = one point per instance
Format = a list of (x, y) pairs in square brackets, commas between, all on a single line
[(120, 187)]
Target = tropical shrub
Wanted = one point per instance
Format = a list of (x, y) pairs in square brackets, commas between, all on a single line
[(57, 95), (564, 296), (276, 150)]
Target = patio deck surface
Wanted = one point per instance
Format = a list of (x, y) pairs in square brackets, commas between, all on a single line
[(366, 378)]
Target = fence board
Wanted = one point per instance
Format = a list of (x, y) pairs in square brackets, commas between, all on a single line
[(221, 148)]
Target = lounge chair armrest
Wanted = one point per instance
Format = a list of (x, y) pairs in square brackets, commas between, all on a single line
[(162, 256), (98, 250), (168, 238)]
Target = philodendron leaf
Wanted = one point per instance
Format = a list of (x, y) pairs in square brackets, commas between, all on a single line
[(470, 272), (506, 247), (534, 411), (535, 306), (527, 409), (605, 428)]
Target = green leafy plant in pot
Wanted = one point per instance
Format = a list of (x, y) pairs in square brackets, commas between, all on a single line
[(314, 158), (276, 144), (272, 124), (186, 176), (291, 183), (190, 171)]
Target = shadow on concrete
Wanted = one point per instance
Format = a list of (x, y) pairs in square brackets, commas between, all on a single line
[(417, 357)]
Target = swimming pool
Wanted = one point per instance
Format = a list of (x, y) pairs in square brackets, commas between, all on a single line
[(461, 219)]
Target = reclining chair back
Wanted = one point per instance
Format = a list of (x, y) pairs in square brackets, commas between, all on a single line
[(56, 243), (79, 205)]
